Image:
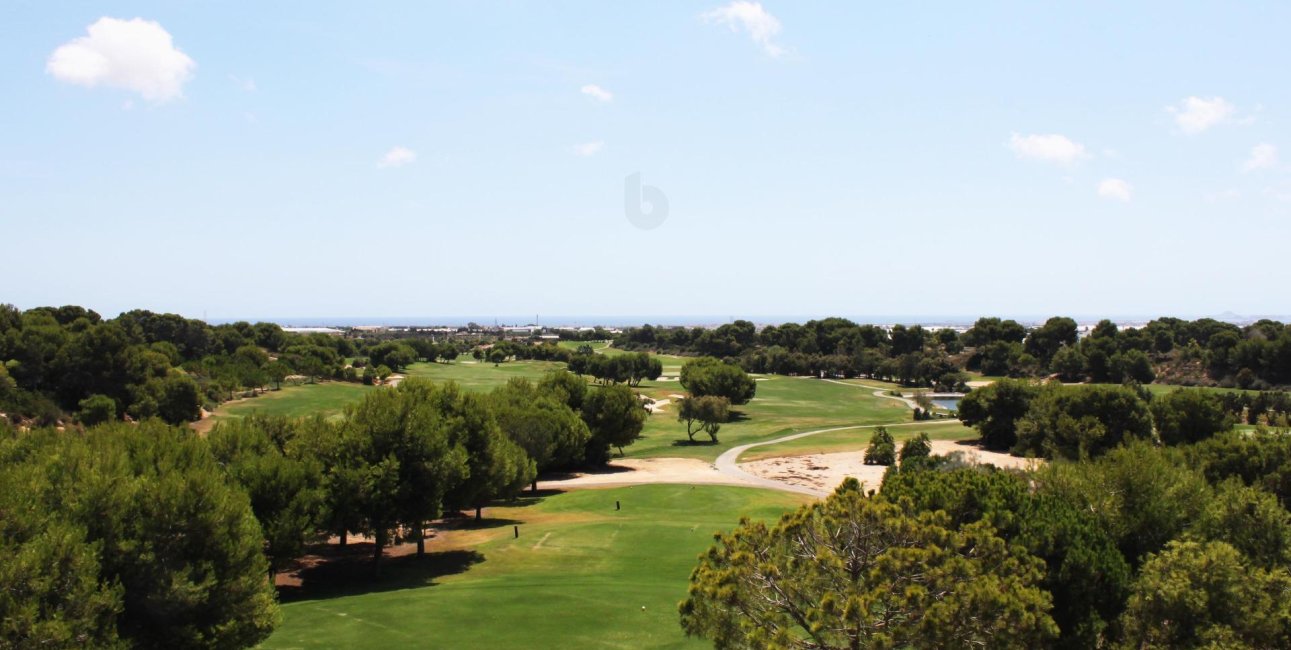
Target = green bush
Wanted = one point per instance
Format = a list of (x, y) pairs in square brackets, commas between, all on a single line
[(882, 449)]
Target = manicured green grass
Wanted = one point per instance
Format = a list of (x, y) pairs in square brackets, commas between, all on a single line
[(581, 575), (481, 376), (1161, 389), (574, 345), (783, 405), (859, 439), (325, 398)]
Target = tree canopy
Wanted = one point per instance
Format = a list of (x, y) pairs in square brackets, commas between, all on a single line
[(708, 376), (824, 577)]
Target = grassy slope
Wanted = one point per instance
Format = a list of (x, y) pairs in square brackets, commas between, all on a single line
[(783, 405), (1161, 389), (327, 398), (577, 577), (481, 376), (859, 439)]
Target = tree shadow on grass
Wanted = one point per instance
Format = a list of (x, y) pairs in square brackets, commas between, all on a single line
[(529, 497), (348, 571), (603, 469), (469, 522), (694, 443)]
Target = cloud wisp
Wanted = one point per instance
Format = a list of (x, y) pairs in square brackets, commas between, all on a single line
[(596, 92), (589, 148), (1115, 189), (751, 18), (1050, 148), (1195, 115), (1263, 156), (397, 157)]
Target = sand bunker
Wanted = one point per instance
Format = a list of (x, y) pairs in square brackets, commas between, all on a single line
[(823, 472)]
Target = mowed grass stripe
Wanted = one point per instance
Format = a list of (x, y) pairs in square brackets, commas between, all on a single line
[(584, 586)]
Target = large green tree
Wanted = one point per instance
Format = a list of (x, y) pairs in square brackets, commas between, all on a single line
[(706, 413), (404, 455), (538, 419), (1044, 342), (168, 529), (1139, 495), (1207, 595), (54, 594), (994, 410), (285, 487), (1188, 416), (1082, 421), (615, 417), (858, 572), (1085, 572), (496, 467), (709, 376)]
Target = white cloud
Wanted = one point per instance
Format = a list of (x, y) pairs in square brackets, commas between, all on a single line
[(1050, 147), (248, 84), (398, 157), (1263, 156), (750, 17), (589, 148), (1196, 114), (596, 92), (1116, 189), (133, 54)]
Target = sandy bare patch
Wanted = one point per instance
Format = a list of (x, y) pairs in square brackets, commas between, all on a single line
[(823, 472), (632, 471), (657, 405)]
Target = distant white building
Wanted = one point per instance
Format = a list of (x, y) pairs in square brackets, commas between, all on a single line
[(313, 330)]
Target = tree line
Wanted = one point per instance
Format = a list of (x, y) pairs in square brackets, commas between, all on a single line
[(1200, 352), (69, 363), (149, 535), (1142, 546), (630, 368)]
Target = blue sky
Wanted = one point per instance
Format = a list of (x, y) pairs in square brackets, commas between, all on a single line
[(468, 158)]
